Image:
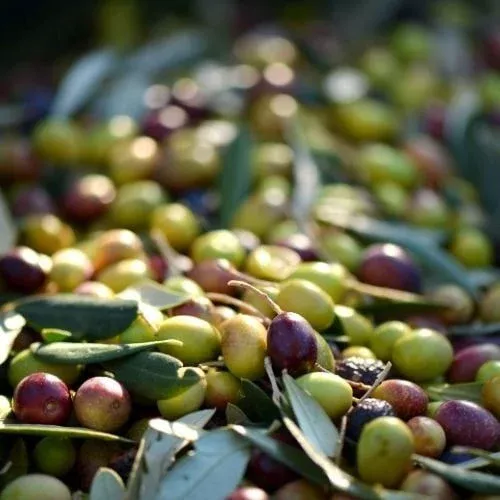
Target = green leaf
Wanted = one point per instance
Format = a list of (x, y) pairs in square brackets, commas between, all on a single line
[(154, 295), (59, 431), (470, 391), (256, 404), (82, 80), (236, 416), (50, 335), (85, 317), (474, 330), (290, 456), (381, 309), (5, 408), (7, 227), (11, 325), (17, 463), (153, 375), (306, 176), (157, 452), (416, 241), (212, 472), (312, 418), (489, 458), (107, 485), (235, 175), (72, 353), (484, 459), (478, 482)]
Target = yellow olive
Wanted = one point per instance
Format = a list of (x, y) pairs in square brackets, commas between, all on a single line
[(124, 274), (47, 233), (70, 268)]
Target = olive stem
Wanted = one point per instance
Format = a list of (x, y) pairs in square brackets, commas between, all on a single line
[(243, 306), (277, 396), (167, 252), (341, 440), (383, 293), (242, 284)]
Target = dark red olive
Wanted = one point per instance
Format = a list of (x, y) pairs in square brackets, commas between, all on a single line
[(291, 343), (21, 270), (42, 398), (388, 265), (214, 275)]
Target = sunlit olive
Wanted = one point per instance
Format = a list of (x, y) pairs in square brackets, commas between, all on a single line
[(219, 244), (47, 233), (124, 274), (272, 262)]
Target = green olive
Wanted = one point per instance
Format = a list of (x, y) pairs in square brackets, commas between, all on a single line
[(58, 141), (357, 327), (219, 244), (308, 300), (124, 274), (273, 263)]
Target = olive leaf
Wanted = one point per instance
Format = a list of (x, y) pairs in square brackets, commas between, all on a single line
[(107, 485), (312, 418), (306, 176), (5, 408), (338, 479), (256, 404), (153, 375), (212, 472), (416, 241), (154, 295), (236, 416), (382, 309), (7, 226), (72, 353), (157, 452), (59, 431), (17, 463), (483, 459), (85, 317), (50, 335), (235, 175), (82, 81), (470, 391), (11, 325), (474, 329), (478, 482), (290, 456)]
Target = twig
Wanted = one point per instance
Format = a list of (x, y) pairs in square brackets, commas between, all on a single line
[(276, 396), (242, 284), (341, 440), (378, 381), (240, 304)]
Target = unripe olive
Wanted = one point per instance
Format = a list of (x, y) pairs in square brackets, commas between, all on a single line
[(143, 328), (472, 248), (47, 233), (58, 141), (124, 274), (184, 285), (55, 456), (201, 341), (272, 262), (357, 327), (36, 487), (220, 244), (244, 343), (384, 451), (70, 268), (332, 392), (222, 388), (331, 277), (309, 300), (385, 336), (115, 245), (177, 223), (186, 401)]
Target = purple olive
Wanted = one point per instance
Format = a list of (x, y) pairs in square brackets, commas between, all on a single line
[(21, 270), (388, 265), (291, 343)]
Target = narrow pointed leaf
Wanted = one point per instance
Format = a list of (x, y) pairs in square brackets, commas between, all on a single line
[(212, 472), (288, 455), (312, 418), (448, 392), (153, 375), (481, 461), (82, 80), (490, 458), (235, 175), (256, 404), (477, 482), (72, 353), (59, 431), (154, 295), (50, 335), (236, 416), (306, 176), (107, 485), (11, 325), (7, 227), (85, 317), (474, 329)]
